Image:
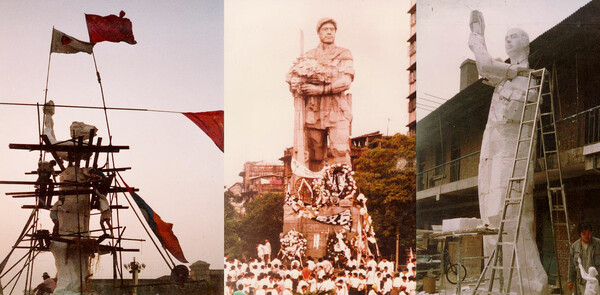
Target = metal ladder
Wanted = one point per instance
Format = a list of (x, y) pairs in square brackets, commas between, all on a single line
[(531, 116), (557, 200)]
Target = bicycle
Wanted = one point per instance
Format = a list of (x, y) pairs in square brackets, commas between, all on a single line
[(451, 269)]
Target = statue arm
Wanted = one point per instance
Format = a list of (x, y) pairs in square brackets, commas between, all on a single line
[(493, 70), (340, 85), (584, 274)]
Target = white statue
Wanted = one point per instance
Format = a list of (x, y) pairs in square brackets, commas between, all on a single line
[(591, 285), (71, 215), (498, 148)]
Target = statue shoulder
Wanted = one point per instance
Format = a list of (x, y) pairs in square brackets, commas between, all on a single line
[(343, 53)]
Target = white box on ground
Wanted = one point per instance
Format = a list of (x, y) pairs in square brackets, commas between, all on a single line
[(460, 224)]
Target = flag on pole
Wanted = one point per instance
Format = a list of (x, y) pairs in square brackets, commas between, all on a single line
[(212, 123), (110, 28), (162, 230), (63, 43)]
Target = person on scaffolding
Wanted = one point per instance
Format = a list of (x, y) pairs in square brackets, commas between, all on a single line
[(45, 287), (102, 202), (54, 214), (45, 184)]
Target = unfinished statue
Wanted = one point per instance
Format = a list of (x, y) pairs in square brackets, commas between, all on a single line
[(498, 147), (72, 260), (318, 80)]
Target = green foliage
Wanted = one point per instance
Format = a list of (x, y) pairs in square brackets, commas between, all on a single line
[(386, 176), (232, 240), (263, 219)]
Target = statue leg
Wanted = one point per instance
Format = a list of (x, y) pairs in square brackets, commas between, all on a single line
[(339, 137), (317, 148)]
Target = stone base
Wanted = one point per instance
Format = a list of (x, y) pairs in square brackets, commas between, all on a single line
[(316, 232)]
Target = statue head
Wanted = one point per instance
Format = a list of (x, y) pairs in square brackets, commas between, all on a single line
[(81, 129), (49, 108), (516, 44), (326, 28), (592, 271)]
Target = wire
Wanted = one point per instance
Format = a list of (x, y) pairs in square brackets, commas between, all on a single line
[(444, 99), (432, 101), (92, 107)]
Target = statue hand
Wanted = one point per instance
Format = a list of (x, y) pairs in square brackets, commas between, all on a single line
[(477, 23), (476, 41), (311, 89)]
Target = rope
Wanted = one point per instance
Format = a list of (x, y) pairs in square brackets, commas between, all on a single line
[(143, 225)]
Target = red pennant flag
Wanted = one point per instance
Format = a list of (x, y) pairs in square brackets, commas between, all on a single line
[(212, 124), (162, 230), (110, 28)]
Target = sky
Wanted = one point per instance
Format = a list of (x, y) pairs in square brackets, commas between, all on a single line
[(262, 40), (176, 65), (443, 33)]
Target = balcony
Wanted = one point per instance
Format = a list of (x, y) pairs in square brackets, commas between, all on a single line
[(456, 170)]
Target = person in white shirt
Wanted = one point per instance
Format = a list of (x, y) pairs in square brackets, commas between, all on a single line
[(387, 285), (276, 262), (301, 285), (411, 286), (341, 288), (327, 284), (267, 251), (371, 262), (311, 264), (374, 290), (327, 266), (288, 283), (260, 251)]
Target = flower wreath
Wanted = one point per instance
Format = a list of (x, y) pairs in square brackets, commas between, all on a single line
[(293, 245), (312, 71), (336, 184), (338, 247)]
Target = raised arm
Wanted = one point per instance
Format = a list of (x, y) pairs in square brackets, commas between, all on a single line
[(493, 70), (584, 274)]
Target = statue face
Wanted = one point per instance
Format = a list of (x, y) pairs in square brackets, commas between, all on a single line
[(516, 42), (327, 33)]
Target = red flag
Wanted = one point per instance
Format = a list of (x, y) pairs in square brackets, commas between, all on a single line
[(212, 124), (110, 28)]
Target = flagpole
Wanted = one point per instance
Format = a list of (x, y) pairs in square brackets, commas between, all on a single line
[(45, 93), (48, 72), (103, 100)]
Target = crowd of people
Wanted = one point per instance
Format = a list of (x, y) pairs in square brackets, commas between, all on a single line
[(256, 276)]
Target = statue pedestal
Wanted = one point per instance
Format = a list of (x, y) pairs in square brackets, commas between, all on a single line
[(316, 232)]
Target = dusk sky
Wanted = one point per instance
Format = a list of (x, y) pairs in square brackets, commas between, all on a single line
[(176, 65)]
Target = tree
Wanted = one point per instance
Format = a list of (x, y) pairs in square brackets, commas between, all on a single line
[(386, 175), (232, 241), (263, 219)]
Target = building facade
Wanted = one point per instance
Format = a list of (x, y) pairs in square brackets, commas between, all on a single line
[(412, 70), (449, 138)]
